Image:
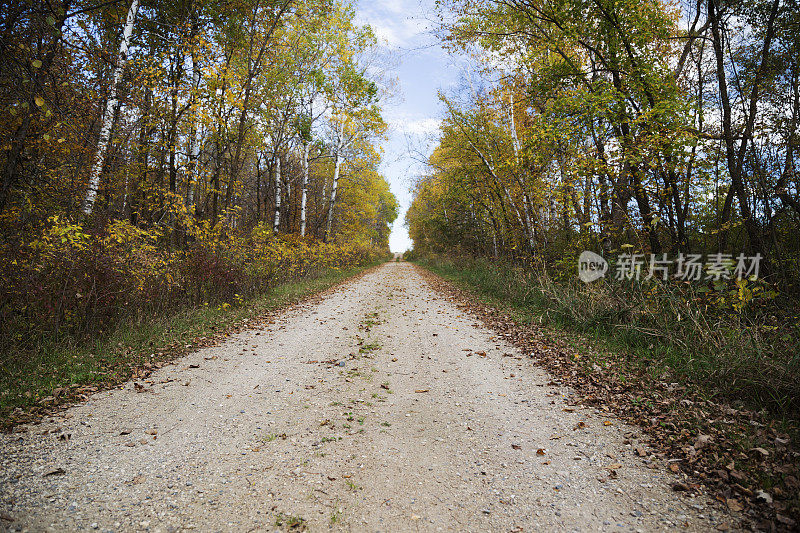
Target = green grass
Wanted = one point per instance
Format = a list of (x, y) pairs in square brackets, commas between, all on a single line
[(367, 348), (290, 522), (663, 330), (60, 367)]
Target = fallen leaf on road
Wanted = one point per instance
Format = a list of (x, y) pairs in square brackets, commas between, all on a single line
[(516, 446), (734, 505), (55, 472), (422, 390), (540, 451)]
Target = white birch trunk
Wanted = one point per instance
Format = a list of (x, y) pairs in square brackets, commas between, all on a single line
[(125, 196), (277, 223), (514, 138), (304, 194), (336, 169), (108, 115), (516, 146), (332, 202), (194, 139), (288, 205)]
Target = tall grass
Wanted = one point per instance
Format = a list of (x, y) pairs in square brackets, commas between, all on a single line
[(745, 352)]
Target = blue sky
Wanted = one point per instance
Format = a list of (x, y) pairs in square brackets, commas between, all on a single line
[(421, 68)]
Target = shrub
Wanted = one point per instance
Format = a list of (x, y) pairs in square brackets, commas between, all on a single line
[(70, 283)]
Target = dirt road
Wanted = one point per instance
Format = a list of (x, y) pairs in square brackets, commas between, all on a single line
[(380, 408)]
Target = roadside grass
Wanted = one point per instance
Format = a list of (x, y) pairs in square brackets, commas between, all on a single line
[(57, 370), (749, 360)]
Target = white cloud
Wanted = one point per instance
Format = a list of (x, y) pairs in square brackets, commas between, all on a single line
[(425, 126), (395, 23)]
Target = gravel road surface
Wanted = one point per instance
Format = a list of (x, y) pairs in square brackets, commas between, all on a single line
[(381, 407)]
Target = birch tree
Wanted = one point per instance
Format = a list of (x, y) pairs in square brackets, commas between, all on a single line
[(110, 110)]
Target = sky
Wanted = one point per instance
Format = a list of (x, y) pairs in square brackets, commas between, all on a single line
[(422, 68)]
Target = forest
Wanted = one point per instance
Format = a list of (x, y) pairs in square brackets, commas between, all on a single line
[(158, 156), (660, 136)]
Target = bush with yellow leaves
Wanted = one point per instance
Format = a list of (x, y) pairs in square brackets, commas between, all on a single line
[(71, 282)]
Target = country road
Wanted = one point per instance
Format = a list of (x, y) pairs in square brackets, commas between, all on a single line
[(380, 407)]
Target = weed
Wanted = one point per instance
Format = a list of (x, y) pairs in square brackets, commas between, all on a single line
[(293, 523), (371, 347)]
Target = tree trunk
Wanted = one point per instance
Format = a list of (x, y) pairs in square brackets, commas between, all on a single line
[(108, 115), (735, 160), (304, 194), (194, 140), (277, 223), (332, 202), (336, 168)]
